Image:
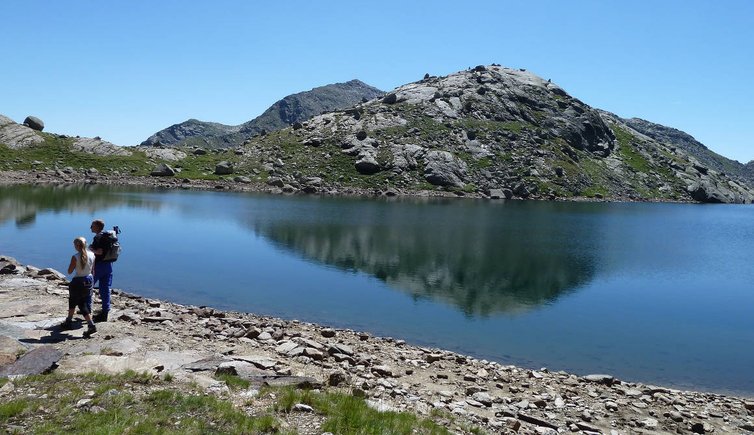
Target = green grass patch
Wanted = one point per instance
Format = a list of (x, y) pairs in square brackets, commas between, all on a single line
[(58, 152), (233, 382), (127, 403), (481, 125), (628, 151), (13, 408), (347, 414)]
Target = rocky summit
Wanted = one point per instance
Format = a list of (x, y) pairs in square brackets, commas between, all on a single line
[(291, 109), (493, 131)]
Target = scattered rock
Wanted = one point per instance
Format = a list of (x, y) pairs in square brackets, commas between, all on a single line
[(162, 170), (34, 123)]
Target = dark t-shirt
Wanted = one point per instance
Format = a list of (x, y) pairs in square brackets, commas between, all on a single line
[(101, 241)]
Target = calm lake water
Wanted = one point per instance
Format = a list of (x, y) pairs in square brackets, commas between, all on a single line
[(658, 293)]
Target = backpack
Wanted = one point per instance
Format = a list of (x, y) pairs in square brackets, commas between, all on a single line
[(110, 239)]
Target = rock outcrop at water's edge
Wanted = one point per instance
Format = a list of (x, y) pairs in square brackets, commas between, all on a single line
[(192, 343)]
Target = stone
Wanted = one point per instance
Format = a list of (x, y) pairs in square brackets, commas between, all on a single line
[(286, 347), (223, 168), (314, 354), (444, 169), (34, 123), (337, 378), (10, 348), (512, 423), (300, 407), (205, 364), (536, 421), (600, 379), (497, 194), (258, 361), (367, 165), (390, 98), (433, 357), (162, 170), (380, 406), (483, 398), (37, 361), (339, 348), (382, 371), (51, 274), (327, 332)]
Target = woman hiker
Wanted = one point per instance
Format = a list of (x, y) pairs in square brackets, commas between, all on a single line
[(80, 287)]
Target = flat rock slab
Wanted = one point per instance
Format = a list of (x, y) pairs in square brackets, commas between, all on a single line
[(242, 369), (152, 362), (35, 362), (206, 364), (117, 347), (261, 362), (13, 284)]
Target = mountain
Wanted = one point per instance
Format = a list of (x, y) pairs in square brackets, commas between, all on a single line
[(491, 130), (291, 109), (687, 142)]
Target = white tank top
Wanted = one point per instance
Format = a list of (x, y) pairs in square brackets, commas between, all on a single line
[(87, 270)]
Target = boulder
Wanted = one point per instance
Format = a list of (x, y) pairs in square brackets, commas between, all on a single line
[(444, 169), (367, 165), (704, 191), (162, 170), (34, 123), (390, 98), (223, 168)]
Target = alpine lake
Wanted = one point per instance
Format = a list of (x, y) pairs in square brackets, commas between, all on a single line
[(654, 293)]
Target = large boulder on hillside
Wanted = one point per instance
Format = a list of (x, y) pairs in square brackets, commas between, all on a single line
[(367, 164), (705, 191), (162, 170), (223, 168), (444, 169), (34, 123)]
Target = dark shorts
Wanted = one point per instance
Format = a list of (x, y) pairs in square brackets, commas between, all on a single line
[(78, 292)]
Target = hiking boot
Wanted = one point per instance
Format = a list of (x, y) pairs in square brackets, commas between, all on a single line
[(66, 325), (100, 317), (90, 330)]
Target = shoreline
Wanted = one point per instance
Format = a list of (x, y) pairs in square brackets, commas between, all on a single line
[(149, 334), (50, 177)]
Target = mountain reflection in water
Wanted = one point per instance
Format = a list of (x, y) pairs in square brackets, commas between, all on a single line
[(483, 259)]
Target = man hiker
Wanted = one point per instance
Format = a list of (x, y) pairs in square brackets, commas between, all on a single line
[(103, 269)]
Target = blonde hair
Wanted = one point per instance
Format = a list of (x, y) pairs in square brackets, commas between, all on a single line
[(80, 244)]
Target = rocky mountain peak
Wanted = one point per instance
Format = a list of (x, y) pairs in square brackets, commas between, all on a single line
[(291, 109), (499, 131)]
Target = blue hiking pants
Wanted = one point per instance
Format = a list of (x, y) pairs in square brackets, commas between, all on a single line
[(103, 276)]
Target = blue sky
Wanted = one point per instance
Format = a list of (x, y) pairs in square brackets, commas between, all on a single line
[(124, 70)]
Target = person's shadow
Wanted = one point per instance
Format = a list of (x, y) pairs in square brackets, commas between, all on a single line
[(57, 334)]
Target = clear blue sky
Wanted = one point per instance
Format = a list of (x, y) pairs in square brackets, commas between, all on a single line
[(124, 70)]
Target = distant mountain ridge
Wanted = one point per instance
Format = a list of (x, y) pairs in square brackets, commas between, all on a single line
[(688, 143), (289, 110)]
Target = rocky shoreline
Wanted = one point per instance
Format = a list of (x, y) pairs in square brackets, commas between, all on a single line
[(193, 343), (59, 177)]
